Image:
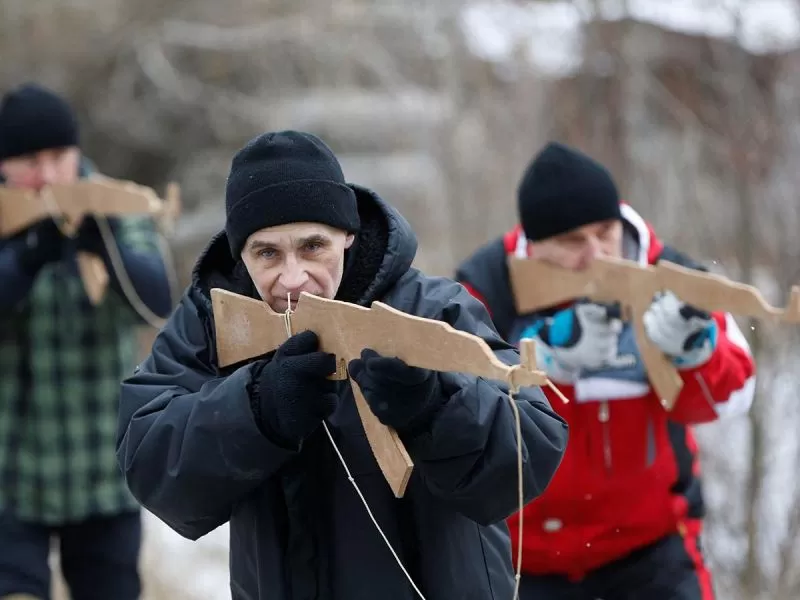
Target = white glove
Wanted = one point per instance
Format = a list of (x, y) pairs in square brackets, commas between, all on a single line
[(686, 334), (583, 336)]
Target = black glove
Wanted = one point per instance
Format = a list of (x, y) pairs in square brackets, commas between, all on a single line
[(292, 394), (89, 238), (402, 397), (38, 245)]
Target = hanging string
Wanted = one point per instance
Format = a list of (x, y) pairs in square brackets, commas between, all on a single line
[(117, 264), (287, 320), (121, 273), (287, 315), (512, 399)]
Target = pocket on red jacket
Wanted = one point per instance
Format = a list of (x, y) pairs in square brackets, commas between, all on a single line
[(626, 437)]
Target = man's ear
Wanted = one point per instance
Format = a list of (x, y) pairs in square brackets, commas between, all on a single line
[(348, 241)]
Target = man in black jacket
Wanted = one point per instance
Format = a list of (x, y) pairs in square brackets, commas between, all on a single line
[(201, 446)]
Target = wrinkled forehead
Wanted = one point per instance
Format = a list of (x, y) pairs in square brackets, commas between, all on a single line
[(66, 153), (293, 233), (590, 230)]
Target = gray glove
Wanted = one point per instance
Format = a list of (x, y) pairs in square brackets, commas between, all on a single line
[(686, 334), (583, 336)]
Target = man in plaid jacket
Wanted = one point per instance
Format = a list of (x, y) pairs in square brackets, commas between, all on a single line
[(61, 363)]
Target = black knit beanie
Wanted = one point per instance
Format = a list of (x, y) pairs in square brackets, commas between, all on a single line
[(33, 118), (286, 177), (564, 189)]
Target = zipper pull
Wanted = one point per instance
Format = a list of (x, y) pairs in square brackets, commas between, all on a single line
[(603, 414)]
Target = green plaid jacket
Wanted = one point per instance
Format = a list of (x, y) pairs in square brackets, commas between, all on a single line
[(61, 363)]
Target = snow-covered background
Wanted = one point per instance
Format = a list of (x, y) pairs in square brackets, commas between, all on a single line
[(551, 33), (179, 568)]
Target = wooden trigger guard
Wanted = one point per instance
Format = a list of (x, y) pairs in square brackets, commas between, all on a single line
[(94, 276), (246, 328)]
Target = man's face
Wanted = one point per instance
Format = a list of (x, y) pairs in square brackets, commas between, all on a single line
[(577, 249), (34, 171), (299, 257)]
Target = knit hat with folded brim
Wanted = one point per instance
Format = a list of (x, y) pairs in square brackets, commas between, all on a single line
[(563, 189), (286, 177), (32, 119)]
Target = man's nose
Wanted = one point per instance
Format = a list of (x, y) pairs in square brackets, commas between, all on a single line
[(592, 248), (294, 276), (46, 173)]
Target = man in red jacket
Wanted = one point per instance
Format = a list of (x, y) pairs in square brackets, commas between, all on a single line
[(622, 517)]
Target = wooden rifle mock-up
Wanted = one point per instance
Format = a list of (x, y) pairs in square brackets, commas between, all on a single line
[(246, 328), (69, 204), (537, 285)]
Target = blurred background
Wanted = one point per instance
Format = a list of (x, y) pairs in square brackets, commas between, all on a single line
[(439, 105)]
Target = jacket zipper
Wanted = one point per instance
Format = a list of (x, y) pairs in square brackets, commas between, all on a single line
[(604, 415)]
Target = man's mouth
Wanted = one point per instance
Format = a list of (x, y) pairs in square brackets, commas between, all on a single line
[(280, 304)]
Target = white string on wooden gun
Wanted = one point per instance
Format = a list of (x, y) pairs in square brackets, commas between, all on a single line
[(287, 319)]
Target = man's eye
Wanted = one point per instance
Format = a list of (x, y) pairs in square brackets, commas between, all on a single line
[(313, 246), (267, 253)]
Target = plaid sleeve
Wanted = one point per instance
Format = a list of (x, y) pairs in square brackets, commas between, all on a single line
[(138, 234)]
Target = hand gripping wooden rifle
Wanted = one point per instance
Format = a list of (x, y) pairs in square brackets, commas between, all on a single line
[(68, 204), (536, 285), (246, 328)]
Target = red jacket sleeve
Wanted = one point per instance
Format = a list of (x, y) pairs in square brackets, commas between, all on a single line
[(724, 385), (477, 295)]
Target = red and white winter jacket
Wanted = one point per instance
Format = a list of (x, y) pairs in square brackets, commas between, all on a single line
[(630, 474)]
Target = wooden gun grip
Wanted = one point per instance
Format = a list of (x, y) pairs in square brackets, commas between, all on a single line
[(94, 275), (389, 451), (663, 375)]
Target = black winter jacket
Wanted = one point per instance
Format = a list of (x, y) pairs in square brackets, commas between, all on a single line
[(193, 455)]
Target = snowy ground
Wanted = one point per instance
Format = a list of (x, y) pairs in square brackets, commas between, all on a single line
[(180, 569)]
